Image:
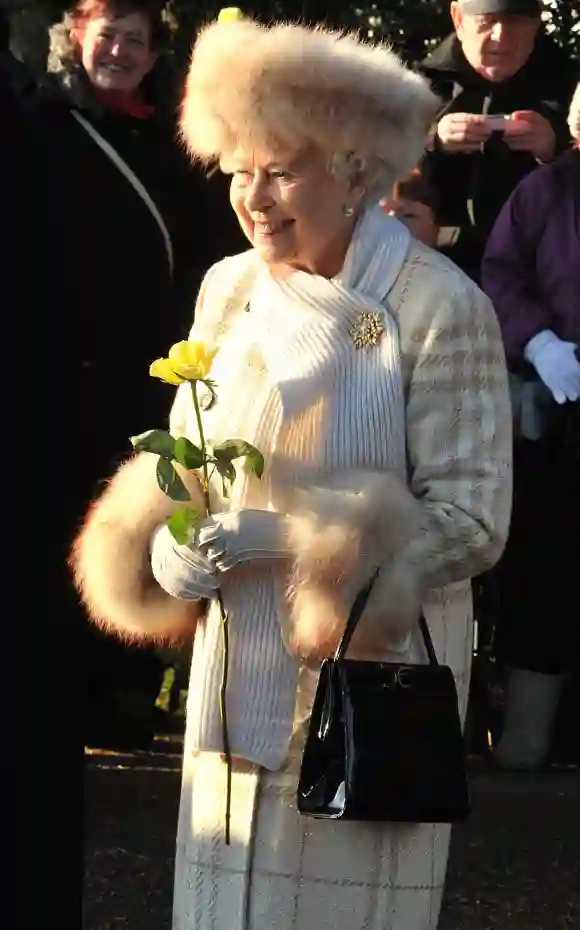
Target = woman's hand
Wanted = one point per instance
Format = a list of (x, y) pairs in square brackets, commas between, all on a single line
[(182, 571), (227, 539)]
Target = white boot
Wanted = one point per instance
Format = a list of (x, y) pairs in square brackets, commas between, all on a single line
[(531, 705)]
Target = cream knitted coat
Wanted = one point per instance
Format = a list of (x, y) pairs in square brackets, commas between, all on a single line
[(283, 871)]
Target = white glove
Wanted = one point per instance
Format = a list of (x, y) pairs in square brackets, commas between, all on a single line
[(226, 539), (556, 364), (182, 571)]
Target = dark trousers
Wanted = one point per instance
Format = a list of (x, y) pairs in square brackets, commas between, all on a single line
[(538, 577)]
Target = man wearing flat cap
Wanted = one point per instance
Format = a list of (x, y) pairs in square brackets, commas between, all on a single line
[(505, 89)]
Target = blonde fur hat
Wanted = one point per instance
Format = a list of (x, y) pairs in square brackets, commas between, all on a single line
[(574, 116), (252, 85)]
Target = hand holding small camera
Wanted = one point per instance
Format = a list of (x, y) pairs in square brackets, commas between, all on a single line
[(522, 131), (463, 132), (497, 122), (528, 131)]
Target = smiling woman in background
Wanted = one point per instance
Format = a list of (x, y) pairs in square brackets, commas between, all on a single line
[(126, 205), (124, 226)]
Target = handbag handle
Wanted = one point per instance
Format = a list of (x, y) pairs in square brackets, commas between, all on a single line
[(359, 604)]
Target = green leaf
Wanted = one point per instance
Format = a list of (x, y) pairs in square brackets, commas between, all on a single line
[(180, 524), (255, 460), (232, 449), (157, 441), (227, 471), (187, 454), (229, 449), (170, 482)]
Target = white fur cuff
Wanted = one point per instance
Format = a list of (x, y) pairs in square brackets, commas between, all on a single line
[(358, 521)]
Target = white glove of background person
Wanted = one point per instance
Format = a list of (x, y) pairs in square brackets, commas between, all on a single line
[(556, 364), (226, 539), (182, 571)]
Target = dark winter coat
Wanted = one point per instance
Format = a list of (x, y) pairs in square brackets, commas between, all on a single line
[(472, 188), (112, 302)]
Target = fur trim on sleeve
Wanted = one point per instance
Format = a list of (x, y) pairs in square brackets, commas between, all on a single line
[(110, 557), (340, 533)]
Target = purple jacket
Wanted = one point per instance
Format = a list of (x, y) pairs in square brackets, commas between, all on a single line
[(531, 267)]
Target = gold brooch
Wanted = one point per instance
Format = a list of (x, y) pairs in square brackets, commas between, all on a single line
[(367, 329)]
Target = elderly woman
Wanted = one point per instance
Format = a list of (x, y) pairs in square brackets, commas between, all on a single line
[(531, 271), (371, 374)]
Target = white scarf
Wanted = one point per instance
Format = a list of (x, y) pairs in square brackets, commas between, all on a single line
[(325, 405)]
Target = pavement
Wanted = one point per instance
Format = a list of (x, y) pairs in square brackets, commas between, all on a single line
[(513, 866)]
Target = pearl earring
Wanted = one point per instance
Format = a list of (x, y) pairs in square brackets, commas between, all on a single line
[(348, 211)]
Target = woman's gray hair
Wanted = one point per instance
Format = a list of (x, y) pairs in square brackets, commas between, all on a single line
[(61, 48)]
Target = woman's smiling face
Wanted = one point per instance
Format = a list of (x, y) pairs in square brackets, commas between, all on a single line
[(292, 208), (116, 53)]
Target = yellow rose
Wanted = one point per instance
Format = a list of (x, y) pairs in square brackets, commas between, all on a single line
[(190, 360), (162, 368)]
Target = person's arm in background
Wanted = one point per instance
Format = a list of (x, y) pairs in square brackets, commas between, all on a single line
[(556, 77), (542, 134), (509, 263), (449, 159), (510, 279)]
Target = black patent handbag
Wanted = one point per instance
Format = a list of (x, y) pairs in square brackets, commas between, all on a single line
[(384, 741)]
